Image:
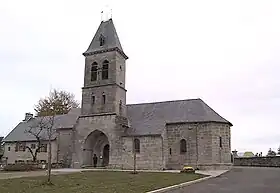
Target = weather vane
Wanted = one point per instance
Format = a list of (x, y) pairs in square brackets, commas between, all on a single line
[(106, 13)]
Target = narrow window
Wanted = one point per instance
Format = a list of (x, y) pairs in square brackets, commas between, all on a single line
[(16, 147), (120, 107), (104, 98), (105, 68), (101, 40), (183, 146), (137, 145), (29, 161), (221, 145), (94, 71), (21, 147), (9, 148), (170, 151), (33, 146), (92, 100), (43, 148)]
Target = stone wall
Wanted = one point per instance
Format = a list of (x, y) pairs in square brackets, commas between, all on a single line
[(64, 147), (105, 124), (150, 156), (258, 161), (203, 145), (113, 88), (25, 156), (221, 152), (174, 133)]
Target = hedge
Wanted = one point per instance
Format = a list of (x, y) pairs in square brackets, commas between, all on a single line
[(22, 167)]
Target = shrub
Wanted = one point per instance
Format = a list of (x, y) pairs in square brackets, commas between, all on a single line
[(22, 167), (188, 169), (56, 165)]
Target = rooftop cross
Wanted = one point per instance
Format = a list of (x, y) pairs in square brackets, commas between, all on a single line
[(106, 13)]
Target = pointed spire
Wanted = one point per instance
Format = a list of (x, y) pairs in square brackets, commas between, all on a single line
[(105, 39)]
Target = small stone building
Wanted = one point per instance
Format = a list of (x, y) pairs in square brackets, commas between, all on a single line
[(163, 135)]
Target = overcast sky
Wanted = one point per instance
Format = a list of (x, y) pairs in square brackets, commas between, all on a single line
[(224, 52)]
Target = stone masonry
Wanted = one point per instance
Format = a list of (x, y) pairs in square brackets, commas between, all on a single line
[(207, 144), (163, 135), (203, 145)]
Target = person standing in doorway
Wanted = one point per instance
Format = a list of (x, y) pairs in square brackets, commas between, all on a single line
[(94, 160)]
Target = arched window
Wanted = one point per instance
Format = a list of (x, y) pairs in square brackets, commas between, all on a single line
[(92, 99), (221, 142), (94, 71), (136, 145), (101, 40), (170, 151), (105, 68), (183, 146)]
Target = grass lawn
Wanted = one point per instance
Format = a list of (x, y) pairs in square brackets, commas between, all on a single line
[(96, 182)]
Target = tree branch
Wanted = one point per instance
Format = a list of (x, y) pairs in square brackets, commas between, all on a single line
[(30, 150)]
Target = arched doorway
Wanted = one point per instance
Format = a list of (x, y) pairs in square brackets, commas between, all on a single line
[(96, 143)]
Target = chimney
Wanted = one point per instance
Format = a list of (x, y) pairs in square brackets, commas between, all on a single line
[(28, 116)]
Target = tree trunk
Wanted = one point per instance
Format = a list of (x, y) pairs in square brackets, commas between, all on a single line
[(134, 157), (49, 161), (134, 162), (35, 156)]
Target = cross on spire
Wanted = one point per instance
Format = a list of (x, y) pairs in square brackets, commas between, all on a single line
[(106, 13)]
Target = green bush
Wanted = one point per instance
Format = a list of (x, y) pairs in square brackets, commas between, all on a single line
[(22, 167)]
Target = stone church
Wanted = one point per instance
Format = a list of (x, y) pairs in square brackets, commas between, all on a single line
[(162, 135)]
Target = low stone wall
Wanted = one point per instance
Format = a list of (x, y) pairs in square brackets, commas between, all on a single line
[(216, 166), (258, 161)]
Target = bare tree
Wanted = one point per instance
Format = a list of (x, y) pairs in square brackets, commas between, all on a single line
[(1, 148), (50, 134), (134, 161), (36, 130), (43, 129), (134, 156)]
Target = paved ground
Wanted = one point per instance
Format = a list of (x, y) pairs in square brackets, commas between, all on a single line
[(239, 180)]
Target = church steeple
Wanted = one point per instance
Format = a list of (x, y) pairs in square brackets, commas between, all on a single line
[(104, 80), (105, 39)]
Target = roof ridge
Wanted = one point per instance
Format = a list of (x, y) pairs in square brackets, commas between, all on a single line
[(215, 112), (21, 122), (157, 102)]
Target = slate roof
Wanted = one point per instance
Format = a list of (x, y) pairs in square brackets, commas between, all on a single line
[(108, 30), (150, 118), (145, 118), (60, 121)]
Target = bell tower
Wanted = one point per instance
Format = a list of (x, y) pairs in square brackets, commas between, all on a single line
[(104, 76)]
